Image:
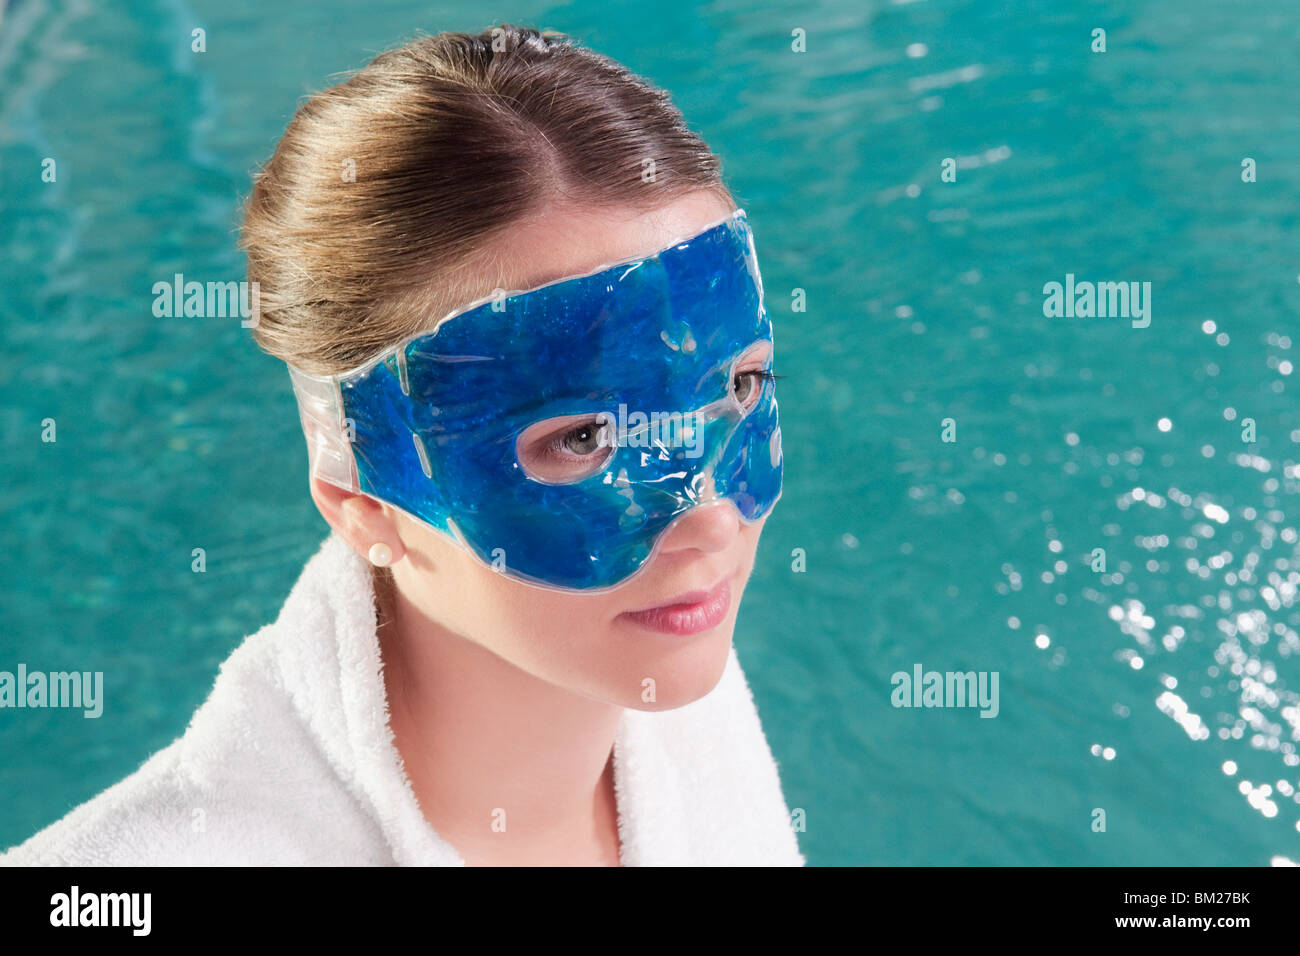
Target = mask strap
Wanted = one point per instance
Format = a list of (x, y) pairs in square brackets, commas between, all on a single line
[(329, 450)]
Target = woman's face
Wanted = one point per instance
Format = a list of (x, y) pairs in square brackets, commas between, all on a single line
[(659, 640)]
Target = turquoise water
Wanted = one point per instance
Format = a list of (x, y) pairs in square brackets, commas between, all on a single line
[(1163, 691)]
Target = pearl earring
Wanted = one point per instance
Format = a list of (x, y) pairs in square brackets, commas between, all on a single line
[(381, 555)]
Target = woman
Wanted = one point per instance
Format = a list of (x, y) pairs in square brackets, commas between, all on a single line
[(516, 645)]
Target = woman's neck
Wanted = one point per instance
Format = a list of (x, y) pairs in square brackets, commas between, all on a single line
[(507, 768)]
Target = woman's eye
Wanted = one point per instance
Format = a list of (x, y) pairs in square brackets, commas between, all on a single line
[(582, 440), (747, 385)]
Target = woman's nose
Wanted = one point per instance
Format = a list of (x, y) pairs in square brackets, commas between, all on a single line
[(711, 526)]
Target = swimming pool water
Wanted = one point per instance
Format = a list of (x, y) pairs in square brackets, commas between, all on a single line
[(1162, 690)]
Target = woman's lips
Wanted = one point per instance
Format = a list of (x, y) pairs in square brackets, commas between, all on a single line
[(690, 613)]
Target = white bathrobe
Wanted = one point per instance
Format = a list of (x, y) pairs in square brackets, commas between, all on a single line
[(291, 761)]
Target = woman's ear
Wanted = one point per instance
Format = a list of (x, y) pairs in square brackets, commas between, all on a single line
[(359, 520)]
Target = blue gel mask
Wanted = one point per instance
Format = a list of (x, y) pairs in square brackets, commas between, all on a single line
[(557, 433)]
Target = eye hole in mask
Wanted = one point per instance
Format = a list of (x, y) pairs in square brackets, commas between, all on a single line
[(750, 374), (570, 448), (560, 451)]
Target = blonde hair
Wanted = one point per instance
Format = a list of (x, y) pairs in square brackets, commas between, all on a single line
[(384, 188)]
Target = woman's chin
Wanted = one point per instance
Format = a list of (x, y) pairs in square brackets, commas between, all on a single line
[(676, 674)]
